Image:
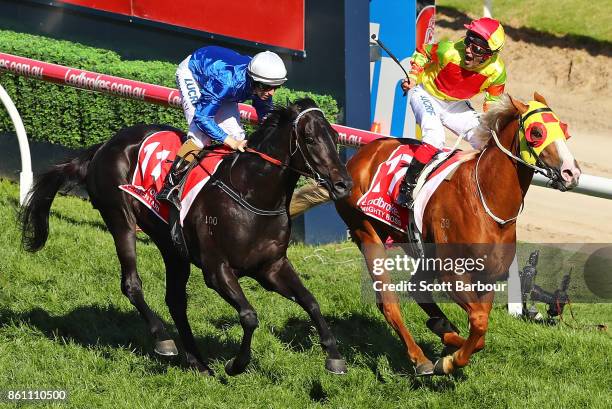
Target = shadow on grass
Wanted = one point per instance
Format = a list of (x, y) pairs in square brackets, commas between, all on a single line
[(530, 35), (15, 206), (141, 237), (359, 336), (363, 340), (97, 326)]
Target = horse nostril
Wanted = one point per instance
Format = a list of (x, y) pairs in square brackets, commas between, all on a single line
[(567, 174), (340, 186)]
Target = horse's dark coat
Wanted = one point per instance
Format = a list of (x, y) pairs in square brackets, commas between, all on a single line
[(224, 239)]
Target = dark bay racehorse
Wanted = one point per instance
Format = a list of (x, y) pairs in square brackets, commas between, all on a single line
[(457, 214), (242, 242)]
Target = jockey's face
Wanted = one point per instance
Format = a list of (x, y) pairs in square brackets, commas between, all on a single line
[(264, 91), (476, 52)]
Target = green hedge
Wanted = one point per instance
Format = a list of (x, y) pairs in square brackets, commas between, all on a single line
[(76, 118)]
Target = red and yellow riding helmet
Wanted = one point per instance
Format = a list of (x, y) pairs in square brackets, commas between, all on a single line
[(489, 29)]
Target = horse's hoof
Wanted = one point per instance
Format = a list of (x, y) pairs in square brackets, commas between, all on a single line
[(424, 369), (166, 348), (337, 366), (231, 369), (444, 366)]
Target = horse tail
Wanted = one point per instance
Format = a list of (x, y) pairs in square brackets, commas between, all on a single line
[(34, 214)]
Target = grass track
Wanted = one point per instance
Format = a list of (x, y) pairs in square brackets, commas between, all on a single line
[(577, 18), (65, 324)]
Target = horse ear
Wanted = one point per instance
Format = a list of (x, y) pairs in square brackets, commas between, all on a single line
[(519, 105), (539, 98)]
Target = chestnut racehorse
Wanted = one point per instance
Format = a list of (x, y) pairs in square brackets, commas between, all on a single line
[(478, 205)]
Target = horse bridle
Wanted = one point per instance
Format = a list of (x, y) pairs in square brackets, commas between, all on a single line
[(238, 197), (551, 174), (313, 174)]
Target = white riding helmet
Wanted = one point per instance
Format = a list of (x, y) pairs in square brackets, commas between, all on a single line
[(268, 68)]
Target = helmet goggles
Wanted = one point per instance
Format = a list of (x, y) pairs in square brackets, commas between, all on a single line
[(477, 45)]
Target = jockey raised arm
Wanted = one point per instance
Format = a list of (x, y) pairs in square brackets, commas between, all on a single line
[(212, 81), (442, 79)]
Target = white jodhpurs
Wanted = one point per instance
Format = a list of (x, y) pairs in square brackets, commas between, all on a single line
[(227, 117), (433, 114)]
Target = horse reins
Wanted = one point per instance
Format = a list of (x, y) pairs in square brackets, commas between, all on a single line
[(313, 174)]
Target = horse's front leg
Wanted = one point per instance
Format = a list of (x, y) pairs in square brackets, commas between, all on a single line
[(223, 280), (438, 322), (282, 278), (478, 309)]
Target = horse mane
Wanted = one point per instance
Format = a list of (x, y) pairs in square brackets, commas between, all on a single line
[(496, 118), (277, 118)]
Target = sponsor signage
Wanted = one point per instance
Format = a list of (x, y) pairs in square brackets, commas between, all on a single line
[(139, 90), (268, 22)]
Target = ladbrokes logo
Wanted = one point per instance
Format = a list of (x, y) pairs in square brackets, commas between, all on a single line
[(174, 99), (22, 68), (96, 82), (349, 139)]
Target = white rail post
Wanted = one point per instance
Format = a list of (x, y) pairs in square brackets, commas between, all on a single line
[(514, 290), (25, 177), (486, 8)]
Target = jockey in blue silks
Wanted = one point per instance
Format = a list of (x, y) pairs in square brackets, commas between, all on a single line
[(212, 81)]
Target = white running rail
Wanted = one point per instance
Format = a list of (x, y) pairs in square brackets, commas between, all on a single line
[(25, 177), (487, 8)]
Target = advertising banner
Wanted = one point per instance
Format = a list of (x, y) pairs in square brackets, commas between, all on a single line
[(270, 22), (137, 90), (425, 21)]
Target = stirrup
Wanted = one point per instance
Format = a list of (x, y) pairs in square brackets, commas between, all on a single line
[(404, 198), (171, 188), (169, 194)]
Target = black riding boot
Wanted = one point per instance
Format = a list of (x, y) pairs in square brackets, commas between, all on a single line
[(170, 189), (404, 198)]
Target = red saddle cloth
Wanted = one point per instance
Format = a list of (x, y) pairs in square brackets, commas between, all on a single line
[(155, 158), (379, 201)]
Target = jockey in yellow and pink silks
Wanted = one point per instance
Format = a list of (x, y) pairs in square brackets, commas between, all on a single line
[(442, 79)]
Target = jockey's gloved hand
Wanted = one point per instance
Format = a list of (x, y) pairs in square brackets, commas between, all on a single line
[(235, 144), (407, 84)]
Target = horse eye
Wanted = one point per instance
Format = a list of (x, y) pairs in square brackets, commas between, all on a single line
[(309, 140), (536, 133)]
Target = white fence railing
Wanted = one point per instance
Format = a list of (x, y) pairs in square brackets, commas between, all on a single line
[(25, 177)]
